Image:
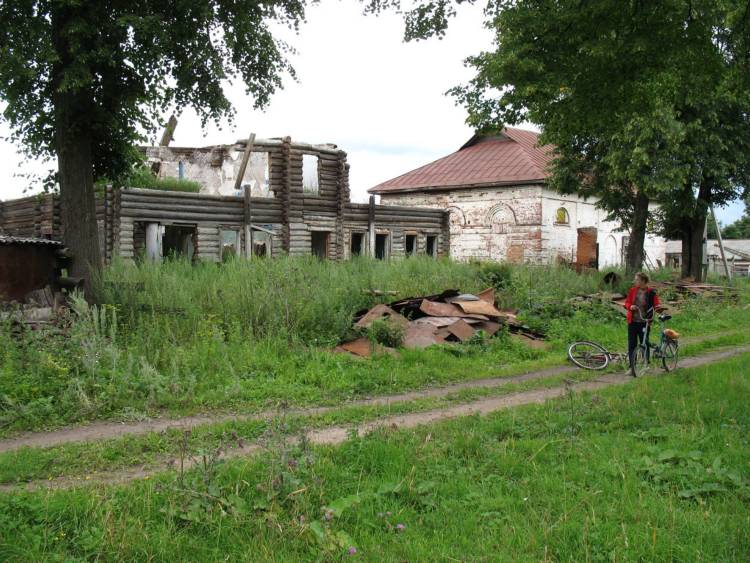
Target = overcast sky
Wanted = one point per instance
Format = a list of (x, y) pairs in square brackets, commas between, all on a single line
[(360, 87)]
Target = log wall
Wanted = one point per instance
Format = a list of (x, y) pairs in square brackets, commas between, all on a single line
[(290, 214)]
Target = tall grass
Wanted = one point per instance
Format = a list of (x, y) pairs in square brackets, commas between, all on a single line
[(182, 337)]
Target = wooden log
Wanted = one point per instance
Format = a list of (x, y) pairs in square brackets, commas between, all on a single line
[(184, 217), (208, 209)]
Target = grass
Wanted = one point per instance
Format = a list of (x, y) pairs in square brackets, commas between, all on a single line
[(653, 471), (178, 339), (153, 448)]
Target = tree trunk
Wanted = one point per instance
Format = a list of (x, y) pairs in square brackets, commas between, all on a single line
[(635, 254), (73, 144), (693, 233)]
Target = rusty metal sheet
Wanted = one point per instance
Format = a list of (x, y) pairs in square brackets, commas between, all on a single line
[(437, 322), (461, 330), (487, 295), (440, 322), (434, 309), (359, 347), (479, 308), (488, 327), (420, 336), (382, 312)]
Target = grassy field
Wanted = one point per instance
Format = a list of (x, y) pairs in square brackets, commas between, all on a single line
[(181, 339), (653, 471)]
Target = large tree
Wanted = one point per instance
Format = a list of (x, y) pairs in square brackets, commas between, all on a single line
[(645, 101), (82, 78)]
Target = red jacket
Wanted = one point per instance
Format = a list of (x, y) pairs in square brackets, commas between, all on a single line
[(652, 301)]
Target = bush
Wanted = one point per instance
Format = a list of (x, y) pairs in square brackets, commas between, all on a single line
[(386, 333), (495, 274)]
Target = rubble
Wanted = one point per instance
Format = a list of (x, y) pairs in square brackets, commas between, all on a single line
[(672, 294), (448, 317)]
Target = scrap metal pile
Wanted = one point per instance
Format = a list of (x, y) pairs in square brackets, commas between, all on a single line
[(450, 316)]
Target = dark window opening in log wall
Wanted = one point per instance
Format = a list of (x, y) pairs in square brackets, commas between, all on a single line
[(431, 246), (230, 244), (319, 244), (411, 245), (310, 175), (381, 246), (357, 243), (178, 242)]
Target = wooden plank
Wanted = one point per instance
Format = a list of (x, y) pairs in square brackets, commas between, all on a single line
[(245, 160)]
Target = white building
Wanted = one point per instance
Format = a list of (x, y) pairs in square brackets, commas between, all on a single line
[(501, 209)]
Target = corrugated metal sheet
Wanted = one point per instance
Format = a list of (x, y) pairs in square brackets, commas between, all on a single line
[(9, 239)]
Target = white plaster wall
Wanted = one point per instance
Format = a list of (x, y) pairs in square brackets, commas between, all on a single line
[(498, 223), (487, 222)]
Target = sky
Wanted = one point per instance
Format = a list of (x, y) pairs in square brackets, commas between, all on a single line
[(360, 87)]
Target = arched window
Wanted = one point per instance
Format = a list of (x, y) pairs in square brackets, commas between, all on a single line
[(562, 217)]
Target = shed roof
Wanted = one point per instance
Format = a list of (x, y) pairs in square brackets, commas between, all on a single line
[(11, 239), (510, 157)]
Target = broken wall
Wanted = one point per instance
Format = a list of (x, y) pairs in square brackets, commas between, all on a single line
[(497, 223)]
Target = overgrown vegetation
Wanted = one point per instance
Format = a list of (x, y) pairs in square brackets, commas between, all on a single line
[(141, 177), (652, 471), (179, 338)]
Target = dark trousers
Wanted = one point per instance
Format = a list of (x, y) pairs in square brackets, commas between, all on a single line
[(635, 337)]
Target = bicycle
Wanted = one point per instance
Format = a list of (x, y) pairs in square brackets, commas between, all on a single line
[(667, 350), (592, 355)]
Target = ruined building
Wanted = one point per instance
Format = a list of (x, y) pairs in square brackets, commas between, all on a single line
[(293, 198), (494, 188)]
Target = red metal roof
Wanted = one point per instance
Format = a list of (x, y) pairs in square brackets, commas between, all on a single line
[(508, 158)]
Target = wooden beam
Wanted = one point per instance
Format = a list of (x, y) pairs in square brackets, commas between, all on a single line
[(168, 135), (245, 159)]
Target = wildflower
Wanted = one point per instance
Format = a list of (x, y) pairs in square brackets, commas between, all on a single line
[(400, 527), (352, 550), (328, 516)]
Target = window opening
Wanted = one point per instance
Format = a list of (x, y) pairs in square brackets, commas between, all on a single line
[(230, 243), (562, 217), (381, 246), (178, 241), (411, 245), (319, 244), (261, 243), (357, 244), (310, 175), (258, 175), (431, 245)]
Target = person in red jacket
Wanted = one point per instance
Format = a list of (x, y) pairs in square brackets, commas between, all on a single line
[(641, 304)]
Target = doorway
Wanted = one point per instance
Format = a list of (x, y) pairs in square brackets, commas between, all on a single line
[(381, 246), (357, 244), (587, 250), (319, 244)]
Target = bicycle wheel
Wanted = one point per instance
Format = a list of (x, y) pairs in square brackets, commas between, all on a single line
[(639, 363), (669, 356), (588, 355)]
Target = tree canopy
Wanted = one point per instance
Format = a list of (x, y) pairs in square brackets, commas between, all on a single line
[(83, 80), (645, 101)]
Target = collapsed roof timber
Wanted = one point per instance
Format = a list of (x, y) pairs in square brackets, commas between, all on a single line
[(293, 198)]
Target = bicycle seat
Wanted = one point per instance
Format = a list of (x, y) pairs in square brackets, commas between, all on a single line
[(664, 318)]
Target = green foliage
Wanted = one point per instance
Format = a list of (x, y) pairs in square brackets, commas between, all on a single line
[(386, 333), (143, 178), (656, 472), (181, 338), (495, 274), (644, 101), (113, 69)]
